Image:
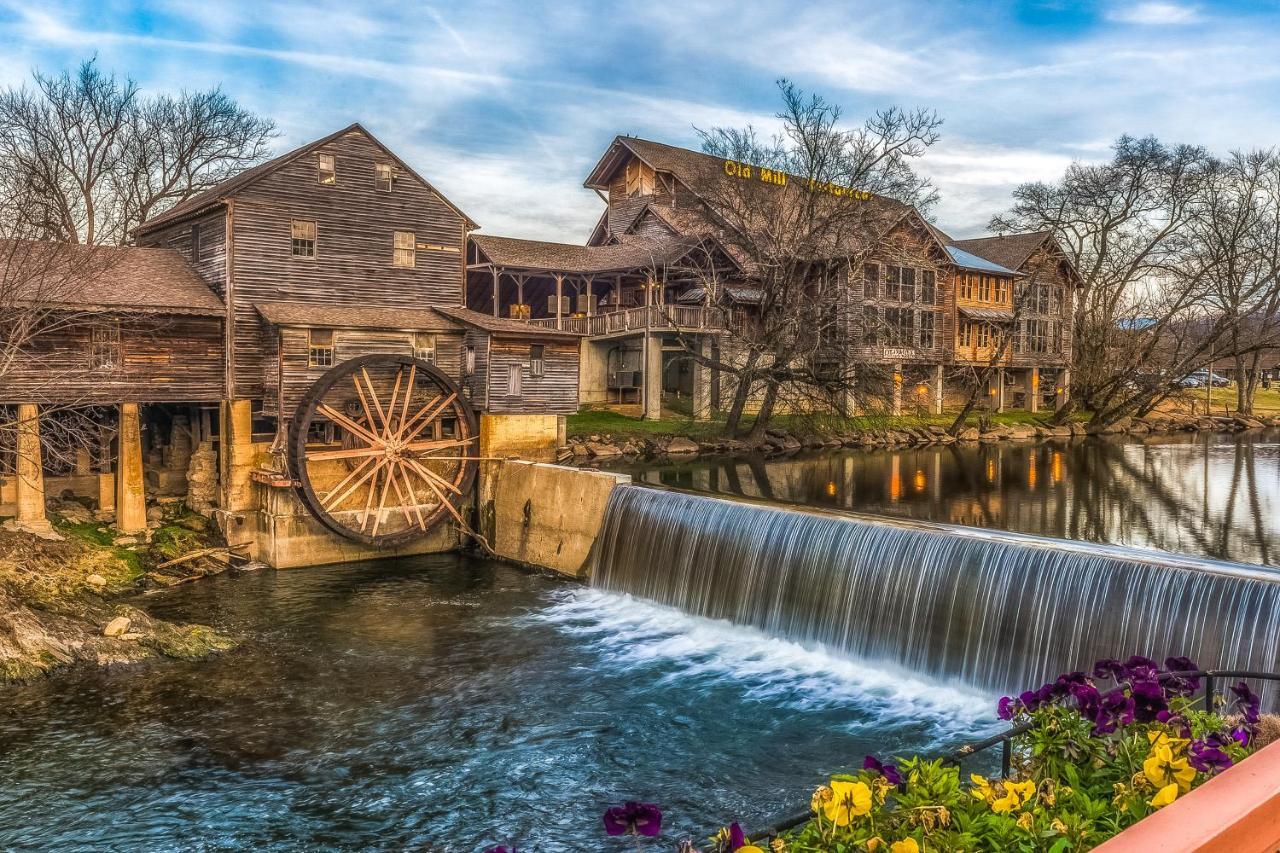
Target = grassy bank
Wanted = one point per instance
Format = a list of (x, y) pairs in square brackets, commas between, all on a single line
[(588, 422), (64, 602)]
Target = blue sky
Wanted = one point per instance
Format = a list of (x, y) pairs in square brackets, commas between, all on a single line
[(505, 106)]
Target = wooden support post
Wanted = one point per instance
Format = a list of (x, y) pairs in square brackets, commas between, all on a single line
[(559, 301), (999, 389), (652, 396), (1062, 390), (237, 456), (1033, 389), (131, 499), (496, 275), (938, 389), (702, 383), (897, 391), (29, 471)]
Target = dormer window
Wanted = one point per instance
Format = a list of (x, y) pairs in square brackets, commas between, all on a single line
[(640, 179), (382, 177), (328, 170)]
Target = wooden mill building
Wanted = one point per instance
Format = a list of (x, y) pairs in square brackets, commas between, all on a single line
[(206, 338), (929, 305)]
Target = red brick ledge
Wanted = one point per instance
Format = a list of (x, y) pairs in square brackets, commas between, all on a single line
[(1238, 811)]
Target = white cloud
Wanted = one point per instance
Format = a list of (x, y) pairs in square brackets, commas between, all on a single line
[(1156, 13)]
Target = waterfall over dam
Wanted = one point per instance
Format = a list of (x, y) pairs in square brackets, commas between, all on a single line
[(999, 611)]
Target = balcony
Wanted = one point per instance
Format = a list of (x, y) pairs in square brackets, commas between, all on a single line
[(649, 318)]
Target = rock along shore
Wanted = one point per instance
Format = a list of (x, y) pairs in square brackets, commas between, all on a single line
[(605, 448)]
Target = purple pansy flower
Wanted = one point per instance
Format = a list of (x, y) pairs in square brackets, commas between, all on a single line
[(1247, 703), (1240, 736), (1115, 710), (1139, 667), (1006, 707), (502, 848), (736, 837), (1148, 700), (1088, 699), (1109, 668), (634, 817), (888, 771), (1207, 756)]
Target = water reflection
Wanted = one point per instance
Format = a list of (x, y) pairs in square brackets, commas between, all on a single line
[(1215, 495)]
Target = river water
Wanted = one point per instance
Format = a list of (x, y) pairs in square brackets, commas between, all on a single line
[(444, 703), (1210, 495)]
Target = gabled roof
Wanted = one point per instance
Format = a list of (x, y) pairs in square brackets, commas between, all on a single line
[(506, 328), (968, 261), (545, 256), (218, 194), (1009, 250), (106, 278), (311, 314)]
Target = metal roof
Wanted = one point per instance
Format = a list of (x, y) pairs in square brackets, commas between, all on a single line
[(969, 261), (991, 314)]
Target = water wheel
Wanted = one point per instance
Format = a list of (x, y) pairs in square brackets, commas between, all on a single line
[(383, 449)]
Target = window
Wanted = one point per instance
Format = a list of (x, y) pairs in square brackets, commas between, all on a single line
[(328, 170), (908, 284), (304, 238), (871, 325), (424, 346), (195, 242), (901, 324), (469, 361), (927, 322), (104, 346), (892, 283), (966, 286), (320, 348), (513, 380), (382, 177), (928, 286), (565, 305), (404, 254), (537, 360), (1002, 291), (871, 280)]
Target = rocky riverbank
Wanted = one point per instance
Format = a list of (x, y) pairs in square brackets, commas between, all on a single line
[(605, 448), (68, 601)]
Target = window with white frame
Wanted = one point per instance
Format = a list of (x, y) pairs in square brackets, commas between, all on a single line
[(537, 360), (403, 253), (424, 346), (304, 237), (320, 347), (382, 175), (327, 170)]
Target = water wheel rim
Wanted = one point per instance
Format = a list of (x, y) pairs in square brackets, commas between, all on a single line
[(457, 407)]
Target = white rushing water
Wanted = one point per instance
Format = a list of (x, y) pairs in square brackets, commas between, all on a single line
[(1001, 612)]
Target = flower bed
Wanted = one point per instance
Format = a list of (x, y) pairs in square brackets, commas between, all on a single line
[(1100, 752)]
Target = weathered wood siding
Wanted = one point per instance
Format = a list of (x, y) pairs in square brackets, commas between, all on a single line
[(476, 384), (164, 359), (555, 392), (211, 260), (296, 376), (355, 223), (1049, 269)]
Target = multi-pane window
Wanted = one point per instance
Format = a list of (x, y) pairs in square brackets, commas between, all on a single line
[(382, 177), (871, 280), (893, 283), (304, 238), (1039, 336), (908, 284), (871, 325), (328, 170), (1002, 290), (403, 253), (928, 287), (320, 347), (424, 346), (537, 360), (104, 345), (928, 324), (901, 325)]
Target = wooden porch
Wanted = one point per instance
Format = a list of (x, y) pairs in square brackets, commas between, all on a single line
[(647, 318)]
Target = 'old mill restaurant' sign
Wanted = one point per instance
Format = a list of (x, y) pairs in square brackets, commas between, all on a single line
[(734, 169)]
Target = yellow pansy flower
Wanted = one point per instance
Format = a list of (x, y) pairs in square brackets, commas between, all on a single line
[(1023, 790), (1026, 821), (750, 848), (1161, 768), (874, 843), (1005, 804), (1165, 795), (981, 787), (848, 800), (821, 796), (1058, 826), (906, 845)]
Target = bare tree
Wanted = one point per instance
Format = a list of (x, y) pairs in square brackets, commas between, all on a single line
[(794, 212), (1140, 321), (85, 157)]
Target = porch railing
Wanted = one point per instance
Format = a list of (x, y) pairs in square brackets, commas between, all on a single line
[(673, 317)]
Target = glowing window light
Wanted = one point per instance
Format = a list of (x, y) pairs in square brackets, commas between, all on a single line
[(918, 482)]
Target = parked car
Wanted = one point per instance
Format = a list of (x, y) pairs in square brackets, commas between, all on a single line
[(1201, 378)]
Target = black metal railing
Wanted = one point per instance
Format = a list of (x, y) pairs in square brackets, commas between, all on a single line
[(1004, 740)]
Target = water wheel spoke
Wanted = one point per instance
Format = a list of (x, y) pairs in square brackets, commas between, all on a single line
[(404, 505), (373, 489), (329, 502), (436, 444), (349, 425), (391, 406), (408, 395), (429, 475), (429, 419), (413, 500), (364, 404), (416, 416), (382, 501), (373, 395), (345, 453), (444, 501)]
